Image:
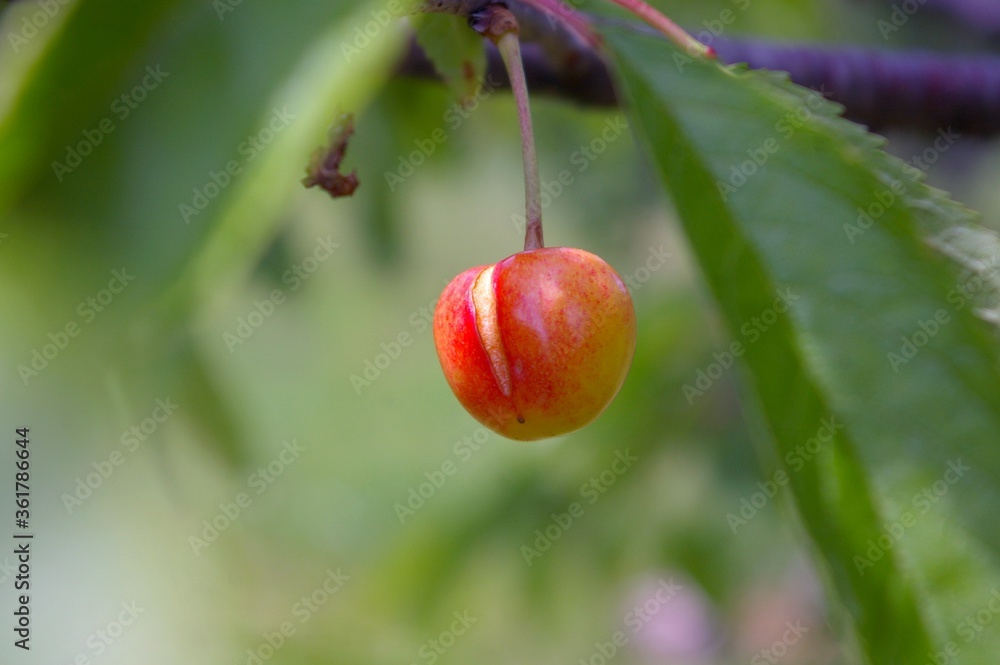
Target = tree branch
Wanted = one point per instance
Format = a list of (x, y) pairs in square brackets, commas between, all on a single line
[(915, 90), (907, 89), (902, 89)]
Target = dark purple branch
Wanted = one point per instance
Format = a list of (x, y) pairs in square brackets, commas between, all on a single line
[(881, 89), (908, 89)]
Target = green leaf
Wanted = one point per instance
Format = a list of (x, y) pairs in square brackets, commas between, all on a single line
[(63, 77), (856, 297), (313, 95), (260, 85), (456, 51)]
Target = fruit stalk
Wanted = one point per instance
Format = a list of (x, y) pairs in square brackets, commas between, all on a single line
[(499, 25), (673, 31)]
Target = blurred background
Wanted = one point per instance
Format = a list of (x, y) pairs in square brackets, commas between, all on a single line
[(243, 448)]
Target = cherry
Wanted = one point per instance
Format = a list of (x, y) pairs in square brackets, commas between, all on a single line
[(538, 344)]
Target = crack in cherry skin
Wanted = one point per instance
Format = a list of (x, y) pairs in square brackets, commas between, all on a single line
[(538, 344)]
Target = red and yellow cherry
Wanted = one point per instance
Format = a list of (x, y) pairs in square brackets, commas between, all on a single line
[(537, 345)]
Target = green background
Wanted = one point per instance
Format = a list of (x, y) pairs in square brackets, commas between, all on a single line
[(365, 449)]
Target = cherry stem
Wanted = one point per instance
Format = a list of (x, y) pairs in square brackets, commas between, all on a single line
[(653, 17), (499, 24), (510, 49)]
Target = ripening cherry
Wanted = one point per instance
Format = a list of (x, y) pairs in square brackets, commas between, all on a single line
[(540, 343)]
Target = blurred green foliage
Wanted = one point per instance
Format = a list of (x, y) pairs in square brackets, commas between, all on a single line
[(182, 517)]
